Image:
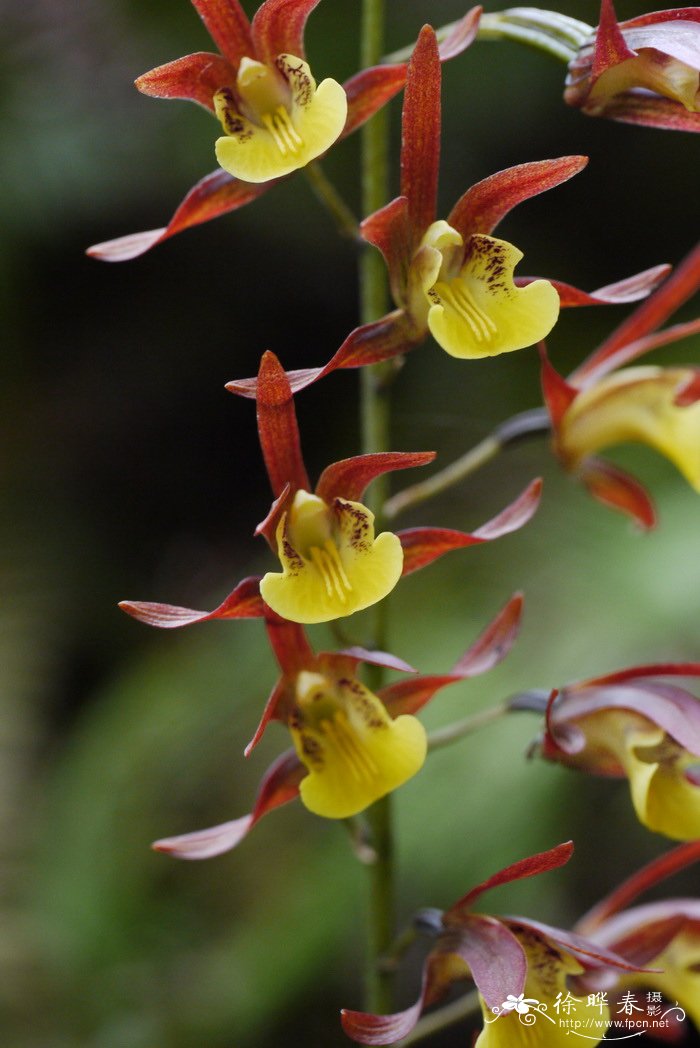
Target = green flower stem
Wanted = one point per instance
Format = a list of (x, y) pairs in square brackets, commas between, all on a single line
[(375, 424), (331, 199), (454, 732), (440, 1020), (556, 34), (514, 429)]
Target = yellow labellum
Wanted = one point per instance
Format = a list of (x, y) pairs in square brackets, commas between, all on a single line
[(659, 73), (353, 750), (547, 971), (679, 979), (332, 565), (474, 308), (277, 120), (654, 764), (635, 404)]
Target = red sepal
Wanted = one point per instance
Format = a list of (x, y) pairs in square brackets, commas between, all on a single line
[(652, 111), (289, 643), (558, 394), (388, 1029), (683, 282), (216, 194), (530, 867), (490, 648), (618, 490), (610, 46), (421, 546), (195, 77), (370, 89), (279, 785), (487, 203), (278, 429), (420, 125), (633, 350), (640, 882), (589, 954), (675, 14), (278, 28), (653, 669), (461, 36), (268, 526), (244, 602), (389, 230), (349, 478), (388, 337), (632, 289), (644, 943), (228, 27)]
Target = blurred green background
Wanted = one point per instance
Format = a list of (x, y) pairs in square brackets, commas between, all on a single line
[(128, 472)]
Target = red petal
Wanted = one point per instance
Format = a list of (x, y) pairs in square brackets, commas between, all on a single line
[(215, 195), (683, 282), (558, 394), (492, 646), (421, 546), (629, 290), (420, 142), (268, 526), (195, 77), (228, 27), (349, 478), (271, 712), (616, 489), (610, 46), (278, 28), (685, 14), (651, 111), (374, 658), (280, 785), (640, 882), (462, 34), (646, 942), (487, 651), (690, 393), (653, 669), (636, 349), (244, 602), (483, 206), (495, 957), (389, 230), (388, 337), (530, 867), (277, 428), (369, 90), (590, 954)]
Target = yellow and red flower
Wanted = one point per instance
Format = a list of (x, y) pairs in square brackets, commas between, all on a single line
[(351, 747), (274, 117), (632, 724), (519, 966), (600, 406), (642, 71)]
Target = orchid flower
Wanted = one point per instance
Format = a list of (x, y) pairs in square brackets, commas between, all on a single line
[(274, 117), (452, 278), (629, 724), (643, 71), (600, 406), (519, 966), (350, 746), (664, 933), (332, 563)]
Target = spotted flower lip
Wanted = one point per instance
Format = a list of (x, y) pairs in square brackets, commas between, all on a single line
[(633, 724), (350, 746), (274, 117), (603, 402), (642, 71), (515, 962)]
